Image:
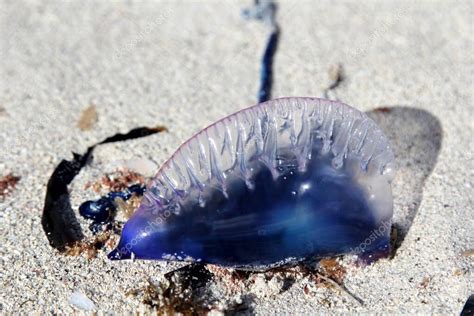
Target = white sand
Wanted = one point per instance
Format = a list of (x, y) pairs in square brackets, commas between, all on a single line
[(186, 64)]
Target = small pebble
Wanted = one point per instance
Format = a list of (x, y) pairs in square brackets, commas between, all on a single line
[(143, 166), (81, 301)]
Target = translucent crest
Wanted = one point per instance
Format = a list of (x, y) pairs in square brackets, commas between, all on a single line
[(264, 132)]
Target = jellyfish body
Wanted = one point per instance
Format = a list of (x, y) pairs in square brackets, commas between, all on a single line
[(278, 182)]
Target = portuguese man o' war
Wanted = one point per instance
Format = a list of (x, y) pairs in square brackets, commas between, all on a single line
[(279, 182)]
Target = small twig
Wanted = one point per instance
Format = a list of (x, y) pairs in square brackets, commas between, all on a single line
[(336, 75), (23, 303), (340, 287)]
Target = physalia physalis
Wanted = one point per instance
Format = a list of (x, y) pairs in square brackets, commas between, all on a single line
[(278, 182)]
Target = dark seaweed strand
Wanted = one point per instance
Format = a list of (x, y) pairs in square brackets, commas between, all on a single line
[(58, 219), (265, 10), (266, 72), (468, 308)]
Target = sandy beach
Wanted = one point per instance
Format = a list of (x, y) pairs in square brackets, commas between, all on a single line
[(185, 64)]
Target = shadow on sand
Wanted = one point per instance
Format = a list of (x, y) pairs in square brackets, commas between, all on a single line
[(416, 137)]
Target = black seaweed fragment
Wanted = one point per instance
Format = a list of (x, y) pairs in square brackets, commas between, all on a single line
[(266, 72), (468, 307), (58, 220), (266, 11)]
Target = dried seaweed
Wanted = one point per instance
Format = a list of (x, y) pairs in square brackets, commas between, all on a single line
[(181, 292), (91, 246), (7, 184), (187, 290), (116, 181), (333, 269)]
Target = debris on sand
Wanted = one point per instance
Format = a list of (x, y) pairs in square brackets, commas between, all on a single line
[(182, 291), (116, 181), (7, 184), (202, 288), (425, 282), (383, 109), (333, 269), (92, 245), (88, 118), (336, 77)]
